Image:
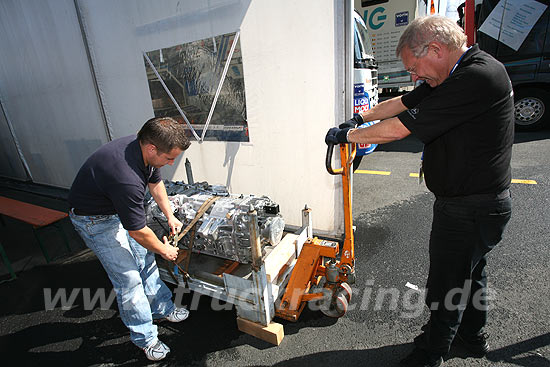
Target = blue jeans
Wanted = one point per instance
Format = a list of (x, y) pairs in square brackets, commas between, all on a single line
[(141, 295)]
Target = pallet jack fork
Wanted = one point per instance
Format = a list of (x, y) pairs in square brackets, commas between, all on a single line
[(322, 273)]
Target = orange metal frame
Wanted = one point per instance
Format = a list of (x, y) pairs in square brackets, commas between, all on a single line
[(348, 254), (310, 268)]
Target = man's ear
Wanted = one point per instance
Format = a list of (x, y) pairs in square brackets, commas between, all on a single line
[(437, 48)]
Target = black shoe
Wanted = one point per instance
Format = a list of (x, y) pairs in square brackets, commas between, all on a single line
[(420, 341), (421, 358), (477, 345)]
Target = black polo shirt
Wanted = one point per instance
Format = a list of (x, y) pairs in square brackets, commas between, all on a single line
[(113, 180), (467, 126)]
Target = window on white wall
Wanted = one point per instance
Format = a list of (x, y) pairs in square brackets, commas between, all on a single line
[(201, 84)]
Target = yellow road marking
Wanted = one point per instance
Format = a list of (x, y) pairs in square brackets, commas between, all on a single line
[(514, 180), (527, 182), (387, 173), (368, 172)]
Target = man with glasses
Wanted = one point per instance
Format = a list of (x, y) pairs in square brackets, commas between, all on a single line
[(107, 210), (463, 112)]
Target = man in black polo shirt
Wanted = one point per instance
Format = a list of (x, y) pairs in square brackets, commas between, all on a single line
[(107, 201), (463, 113)]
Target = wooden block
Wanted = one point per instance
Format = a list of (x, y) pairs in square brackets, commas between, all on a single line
[(272, 333), (282, 254), (228, 267)]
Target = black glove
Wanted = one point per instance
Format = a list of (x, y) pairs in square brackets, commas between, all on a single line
[(353, 122), (337, 136)]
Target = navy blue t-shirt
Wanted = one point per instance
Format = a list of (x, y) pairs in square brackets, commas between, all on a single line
[(113, 180), (467, 126)]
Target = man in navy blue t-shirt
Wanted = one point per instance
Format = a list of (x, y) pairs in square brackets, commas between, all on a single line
[(107, 210), (463, 112)]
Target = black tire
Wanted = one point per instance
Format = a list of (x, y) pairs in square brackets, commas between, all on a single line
[(531, 109)]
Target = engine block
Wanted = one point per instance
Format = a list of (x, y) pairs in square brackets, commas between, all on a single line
[(223, 230)]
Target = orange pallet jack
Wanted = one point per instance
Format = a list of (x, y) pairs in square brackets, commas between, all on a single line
[(322, 273)]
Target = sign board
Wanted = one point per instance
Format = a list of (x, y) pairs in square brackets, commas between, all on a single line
[(511, 21), (386, 22)]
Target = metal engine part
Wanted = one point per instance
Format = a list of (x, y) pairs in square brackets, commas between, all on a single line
[(223, 230)]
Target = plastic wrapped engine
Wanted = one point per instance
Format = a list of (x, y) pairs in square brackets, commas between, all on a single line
[(223, 230)]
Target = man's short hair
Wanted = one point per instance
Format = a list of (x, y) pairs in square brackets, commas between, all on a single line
[(418, 35), (165, 133)]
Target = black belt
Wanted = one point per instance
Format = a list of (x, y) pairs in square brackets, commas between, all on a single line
[(477, 197), (81, 213)]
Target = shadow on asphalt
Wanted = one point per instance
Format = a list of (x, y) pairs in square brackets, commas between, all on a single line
[(68, 343), (524, 137), (26, 293), (509, 353), (384, 356), (391, 355), (79, 336)]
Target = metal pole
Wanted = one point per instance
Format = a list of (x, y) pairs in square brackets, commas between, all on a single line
[(348, 67), (16, 141), (254, 239), (220, 84), (189, 172), (107, 125), (171, 96)]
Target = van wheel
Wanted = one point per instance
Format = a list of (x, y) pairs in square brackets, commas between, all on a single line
[(531, 109)]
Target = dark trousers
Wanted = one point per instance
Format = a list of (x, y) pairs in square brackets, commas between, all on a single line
[(464, 230)]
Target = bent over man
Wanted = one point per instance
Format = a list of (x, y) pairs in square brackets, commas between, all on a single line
[(107, 210), (463, 113)]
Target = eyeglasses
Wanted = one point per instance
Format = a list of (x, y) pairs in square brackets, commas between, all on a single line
[(412, 70)]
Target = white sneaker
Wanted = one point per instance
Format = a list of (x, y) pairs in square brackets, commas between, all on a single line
[(156, 351), (178, 315)]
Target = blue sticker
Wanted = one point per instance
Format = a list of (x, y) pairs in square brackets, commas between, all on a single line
[(358, 89), (364, 149), (401, 19), (361, 103)]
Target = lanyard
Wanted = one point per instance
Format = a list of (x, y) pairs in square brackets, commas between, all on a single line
[(459, 59)]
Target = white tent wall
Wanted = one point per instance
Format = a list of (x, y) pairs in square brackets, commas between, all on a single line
[(46, 90), (72, 76), (292, 63), (10, 165)]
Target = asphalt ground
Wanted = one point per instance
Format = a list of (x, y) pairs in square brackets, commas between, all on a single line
[(392, 215)]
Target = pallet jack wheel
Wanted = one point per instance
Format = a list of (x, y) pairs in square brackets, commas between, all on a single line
[(345, 289), (337, 307)]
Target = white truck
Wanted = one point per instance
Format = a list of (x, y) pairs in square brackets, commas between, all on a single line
[(365, 78), (386, 21)]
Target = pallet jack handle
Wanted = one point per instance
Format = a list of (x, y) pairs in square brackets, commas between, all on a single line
[(349, 161), (346, 170)]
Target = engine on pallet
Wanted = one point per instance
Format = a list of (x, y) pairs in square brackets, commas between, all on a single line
[(223, 230)]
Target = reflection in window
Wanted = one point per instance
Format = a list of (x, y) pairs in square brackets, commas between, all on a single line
[(192, 73)]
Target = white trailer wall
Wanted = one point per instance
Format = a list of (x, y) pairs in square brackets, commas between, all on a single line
[(293, 59)]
